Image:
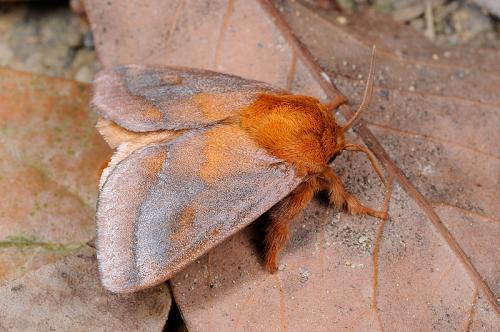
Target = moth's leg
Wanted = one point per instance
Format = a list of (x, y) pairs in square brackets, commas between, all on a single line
[(371, 158), (280, 216), (336, 102), (339, 197)]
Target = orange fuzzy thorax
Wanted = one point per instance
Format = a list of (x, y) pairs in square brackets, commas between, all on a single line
[(296, 129)]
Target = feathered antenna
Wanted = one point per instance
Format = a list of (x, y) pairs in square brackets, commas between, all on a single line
[(366, 97)]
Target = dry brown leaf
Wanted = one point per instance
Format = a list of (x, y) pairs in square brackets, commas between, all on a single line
[(67, 296), (50, 155), (433, 123), (50, 161)]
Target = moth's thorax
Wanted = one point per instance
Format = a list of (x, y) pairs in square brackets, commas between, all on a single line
[(297, 129)]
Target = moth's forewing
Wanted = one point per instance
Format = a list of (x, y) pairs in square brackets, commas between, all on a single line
[(144, 98), (168, 203)]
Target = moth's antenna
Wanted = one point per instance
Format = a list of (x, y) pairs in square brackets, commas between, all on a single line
[(366, 97)]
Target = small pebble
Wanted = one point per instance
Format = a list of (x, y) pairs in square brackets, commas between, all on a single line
[(336, 218), (435, 57), (383, 93), (304, 274), (362, 239), (341, 20)]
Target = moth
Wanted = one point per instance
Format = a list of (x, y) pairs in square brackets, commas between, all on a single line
[(200, 155)]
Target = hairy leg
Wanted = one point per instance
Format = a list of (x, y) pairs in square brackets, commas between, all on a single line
[(280, 216), (339, 197)]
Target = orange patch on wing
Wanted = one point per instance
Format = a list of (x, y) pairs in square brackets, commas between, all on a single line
[(228, 150), (215, 105), (151, 165), (185, 225), (211, 104), (152, 113), (148, 110)]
